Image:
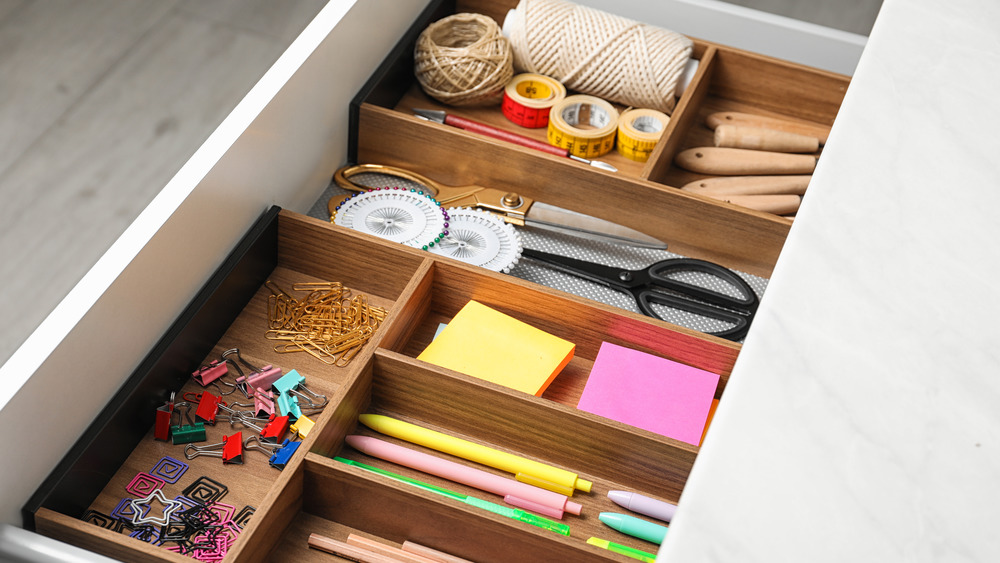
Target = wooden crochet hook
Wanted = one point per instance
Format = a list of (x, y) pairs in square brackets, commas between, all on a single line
[(737, 162), (778, 204), (758, 138), (750, 120), (750, 185)]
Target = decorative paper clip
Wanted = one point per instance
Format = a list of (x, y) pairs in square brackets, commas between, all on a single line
[(230, 449), (161, 428), (186, 433)]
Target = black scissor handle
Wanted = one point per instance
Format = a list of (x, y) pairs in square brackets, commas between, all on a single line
[(738, 311)]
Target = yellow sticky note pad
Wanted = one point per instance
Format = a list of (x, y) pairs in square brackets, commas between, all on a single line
[(487, 344)]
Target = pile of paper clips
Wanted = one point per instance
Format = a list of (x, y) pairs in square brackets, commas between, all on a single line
[(279, 403), (328, 323), (195, 523)]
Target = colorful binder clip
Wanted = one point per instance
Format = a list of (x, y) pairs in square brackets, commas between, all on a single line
[(161, 428), (260, 378), (288, 405), (302, 426), (290, 388), (284, 454), (275, 430), (207, 374), (186, 433), (208, 407), (230, 449), (279, 454)]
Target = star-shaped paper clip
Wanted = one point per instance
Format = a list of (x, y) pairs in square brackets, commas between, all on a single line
[(143, 508)]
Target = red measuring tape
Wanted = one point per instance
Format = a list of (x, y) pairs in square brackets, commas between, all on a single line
[(528, 98)]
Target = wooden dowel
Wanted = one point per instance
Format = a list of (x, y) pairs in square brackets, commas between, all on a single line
[(351, 552), (432, 554), (388, 550), (750, 185)]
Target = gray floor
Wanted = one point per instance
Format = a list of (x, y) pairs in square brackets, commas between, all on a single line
[(102, 101)]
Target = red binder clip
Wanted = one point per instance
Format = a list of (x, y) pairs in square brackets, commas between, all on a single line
[(230, 449), (161, 428), (275, 430), (208, 407)]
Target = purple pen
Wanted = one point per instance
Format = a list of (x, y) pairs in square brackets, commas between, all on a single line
[(643, 505)]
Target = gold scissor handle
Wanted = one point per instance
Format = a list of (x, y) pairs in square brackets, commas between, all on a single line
[(509, 205)]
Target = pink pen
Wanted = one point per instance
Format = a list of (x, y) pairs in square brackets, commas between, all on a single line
[(522, 495)]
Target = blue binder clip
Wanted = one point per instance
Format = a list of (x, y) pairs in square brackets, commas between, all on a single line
[(284, 454), (279, 454)]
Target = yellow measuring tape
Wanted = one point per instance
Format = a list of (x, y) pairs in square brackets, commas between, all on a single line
[(638, 132), (583, 125), (528, 98)]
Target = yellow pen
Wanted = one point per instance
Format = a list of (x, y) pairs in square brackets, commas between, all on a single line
[(524, 470)]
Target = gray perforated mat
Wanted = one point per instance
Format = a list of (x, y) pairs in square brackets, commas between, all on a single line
[(617, 255)]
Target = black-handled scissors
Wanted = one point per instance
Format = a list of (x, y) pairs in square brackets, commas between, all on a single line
[(653, 285)]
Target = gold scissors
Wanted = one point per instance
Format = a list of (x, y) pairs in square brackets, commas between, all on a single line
[(511, 206)]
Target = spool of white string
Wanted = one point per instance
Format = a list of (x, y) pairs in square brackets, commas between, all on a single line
[(597, 53)]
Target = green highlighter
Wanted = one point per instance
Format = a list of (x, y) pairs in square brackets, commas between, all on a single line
[(623, 549), (514, 513)]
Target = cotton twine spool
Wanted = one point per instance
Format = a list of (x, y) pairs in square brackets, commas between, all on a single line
[(597, 53), (464, 60)]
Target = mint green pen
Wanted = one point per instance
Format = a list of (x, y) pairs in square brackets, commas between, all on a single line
[(635, 527), (623, 549), (513, 513)]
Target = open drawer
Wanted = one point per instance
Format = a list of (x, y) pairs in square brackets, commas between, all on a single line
[(317, 493)]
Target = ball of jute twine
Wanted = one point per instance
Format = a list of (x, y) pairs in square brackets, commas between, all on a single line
[(597, 53), (464, 60)]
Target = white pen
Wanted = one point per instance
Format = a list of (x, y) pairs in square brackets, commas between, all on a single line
[(644, 505)]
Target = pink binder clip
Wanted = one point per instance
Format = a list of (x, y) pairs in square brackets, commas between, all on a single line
[(263, 403), (207, 374)]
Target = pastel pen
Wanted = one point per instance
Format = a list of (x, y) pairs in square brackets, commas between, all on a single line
[(524, 469), (635, 527), (515, 493), (623, 549), (642, 504), (513, 513)]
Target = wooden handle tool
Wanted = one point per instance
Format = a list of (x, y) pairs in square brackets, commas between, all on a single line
[(750, 185), (757, 138), (821, 132), (779, 204), (736, 162)]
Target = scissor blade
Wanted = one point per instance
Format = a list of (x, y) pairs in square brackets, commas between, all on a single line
[(545, 216)]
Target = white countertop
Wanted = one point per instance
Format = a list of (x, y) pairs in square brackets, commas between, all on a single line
[(862, 419)]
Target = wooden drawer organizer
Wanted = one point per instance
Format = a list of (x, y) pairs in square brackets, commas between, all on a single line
[(315, 494), (643, 196)]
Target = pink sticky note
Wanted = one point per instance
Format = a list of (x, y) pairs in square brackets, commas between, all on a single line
[(649, 392)]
